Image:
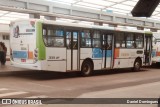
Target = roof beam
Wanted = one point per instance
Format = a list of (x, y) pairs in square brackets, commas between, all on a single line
[(5, 14), (73, 12), (115, 3)]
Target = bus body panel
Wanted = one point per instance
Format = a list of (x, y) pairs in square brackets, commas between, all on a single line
[(85, 52), (40, 46), (27, 47), (108, 59), (75, 60), (95, 54), (125, 58), (56, 59), (36, 66), (23, 41), (156, 48), (74, 64)]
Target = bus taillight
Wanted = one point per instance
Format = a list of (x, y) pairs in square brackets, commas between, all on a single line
[(23, 60), (36, 55), (32, 23)]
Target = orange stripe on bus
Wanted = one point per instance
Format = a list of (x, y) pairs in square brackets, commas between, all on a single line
[(116, 55), (30, 55), (157, 53)]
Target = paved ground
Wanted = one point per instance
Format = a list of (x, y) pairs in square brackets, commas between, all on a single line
[(9, 68), (23, 83)]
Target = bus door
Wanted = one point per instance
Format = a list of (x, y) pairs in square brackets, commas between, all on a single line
[(147, 49), (107, 51), (72, 50)]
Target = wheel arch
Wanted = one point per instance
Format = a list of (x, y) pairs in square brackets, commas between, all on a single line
[(87, 59), (137, 64), (138, 59)]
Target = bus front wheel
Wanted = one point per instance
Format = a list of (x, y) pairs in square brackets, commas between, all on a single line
[(87, 68), (137, 65)]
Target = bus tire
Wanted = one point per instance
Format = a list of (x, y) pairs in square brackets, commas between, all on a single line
[(137, 65), (87, 68)]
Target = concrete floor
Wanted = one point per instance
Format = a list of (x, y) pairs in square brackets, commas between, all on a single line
[(23, 83)]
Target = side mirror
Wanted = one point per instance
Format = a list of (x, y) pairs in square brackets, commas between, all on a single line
[(155, 41)]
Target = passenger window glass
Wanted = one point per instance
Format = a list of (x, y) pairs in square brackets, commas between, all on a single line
[(109, 42), (59, 33), (68, 40), (86, 38), (139, 41), (96, 39), (74, 43), (130, 40), (120, 40), (44, 32), (75, 40), (53, 37)]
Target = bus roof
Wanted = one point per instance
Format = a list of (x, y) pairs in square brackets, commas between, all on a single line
[(83, 26)]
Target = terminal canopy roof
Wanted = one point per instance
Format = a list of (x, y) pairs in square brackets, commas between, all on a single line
[(110, 6)]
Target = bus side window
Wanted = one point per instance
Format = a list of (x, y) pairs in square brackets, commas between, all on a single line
[(53, 36), (123, 44), (120, 40), (45, 37), (118, 45), (68, 40), (139, 41), (44, 32), (50, 39), (109, 42), (59, 38), (75, 45), (75, 40), (130, 40), (86, 39), (96, 39)]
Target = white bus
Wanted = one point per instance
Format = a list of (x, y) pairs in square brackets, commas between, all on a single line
[(156, 48), (65, 47)]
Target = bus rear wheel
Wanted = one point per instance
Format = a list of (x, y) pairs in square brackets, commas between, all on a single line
[(87, 68), (137, 65)]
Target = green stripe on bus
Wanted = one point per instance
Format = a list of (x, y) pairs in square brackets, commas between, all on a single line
[(39, 42), (148, 32)]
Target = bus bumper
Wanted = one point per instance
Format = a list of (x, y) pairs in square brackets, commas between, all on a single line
[(35, 66)]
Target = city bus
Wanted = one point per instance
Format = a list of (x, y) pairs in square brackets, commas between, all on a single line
[(156, 48), (65, 47)]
